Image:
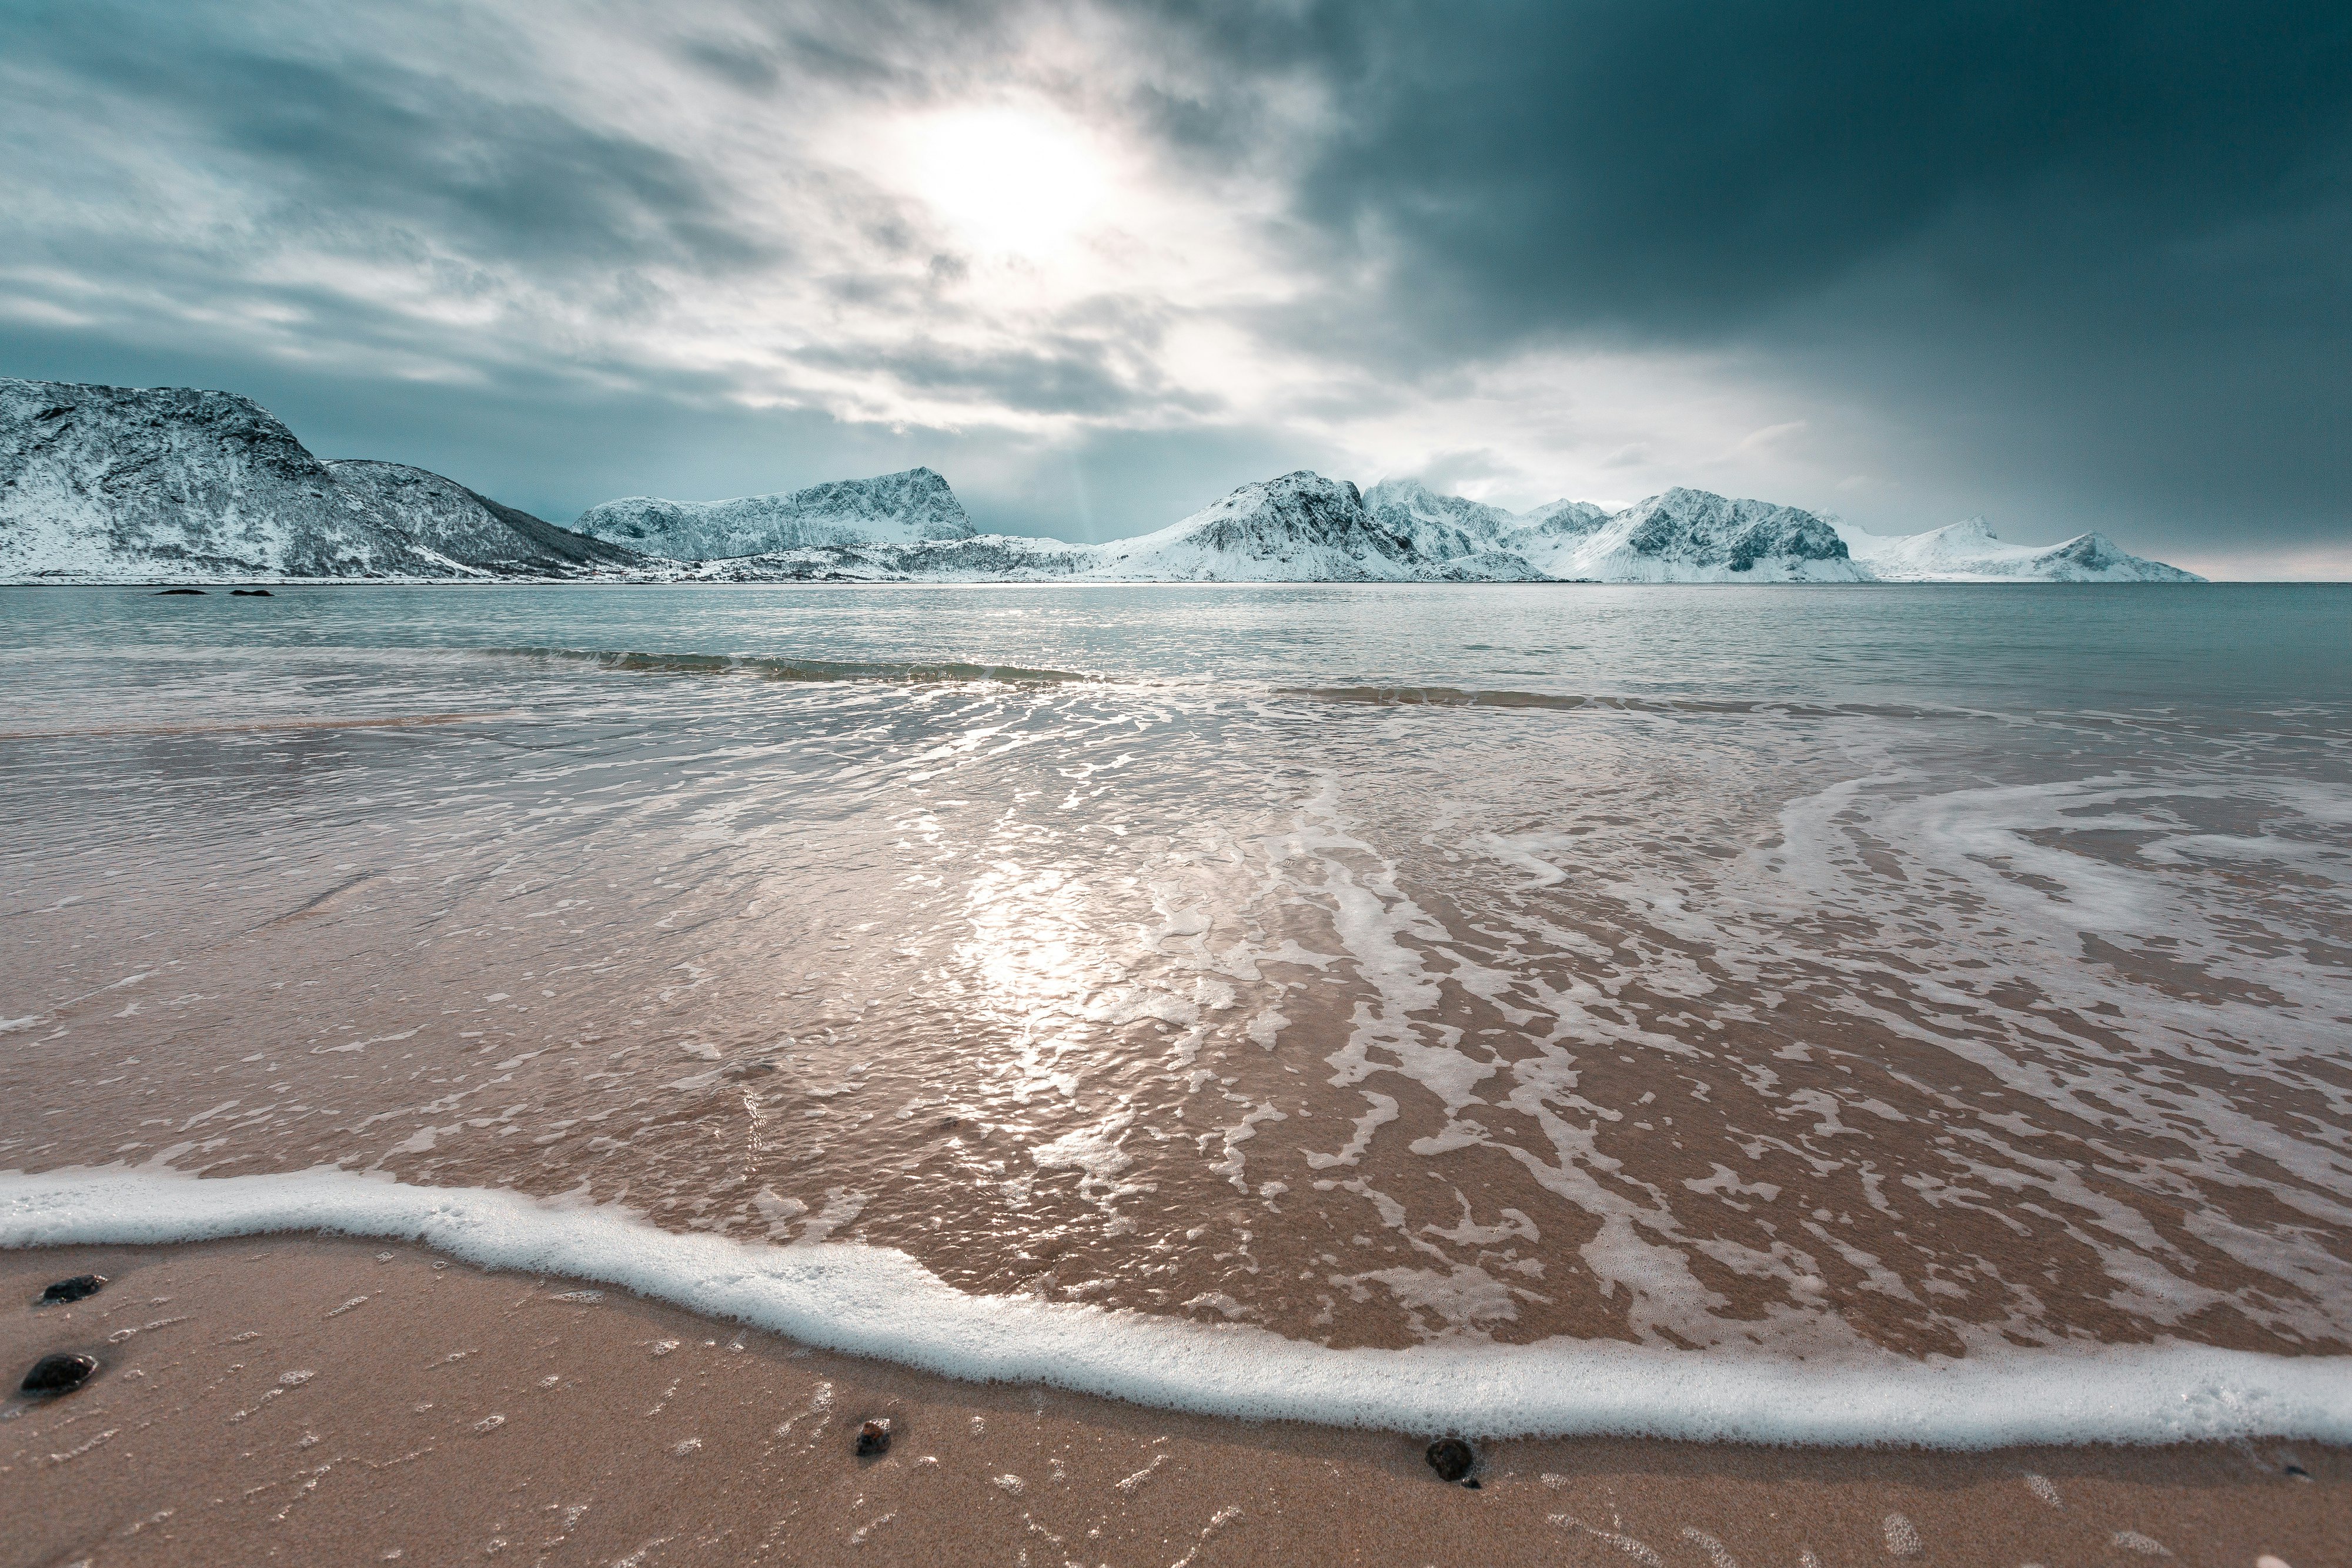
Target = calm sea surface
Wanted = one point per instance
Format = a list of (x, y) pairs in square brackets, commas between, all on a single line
[(1787, 968)]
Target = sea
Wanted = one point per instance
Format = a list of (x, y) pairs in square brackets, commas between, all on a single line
[(1344, 976)]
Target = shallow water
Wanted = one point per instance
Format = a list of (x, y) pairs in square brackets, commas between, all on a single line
[(1794, 968)]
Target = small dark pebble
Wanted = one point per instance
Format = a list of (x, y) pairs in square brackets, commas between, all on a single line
[(873, 1438), (75, 1288), (167, 592), (58, 1374), (2297, 1471), (1450, 1457), (250, 593), (1472, 1484)]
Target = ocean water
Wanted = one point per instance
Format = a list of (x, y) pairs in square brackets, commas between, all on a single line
[(1767, 974)]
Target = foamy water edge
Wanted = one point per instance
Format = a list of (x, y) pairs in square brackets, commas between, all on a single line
[(877, 1301)]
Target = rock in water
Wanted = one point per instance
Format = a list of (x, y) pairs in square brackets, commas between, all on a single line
[(250, 593), (59, 1374), (1450, 1457), (75, 1288), (168, 592), (873, 1439)]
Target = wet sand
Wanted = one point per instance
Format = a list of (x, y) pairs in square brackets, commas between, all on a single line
[(308, 1400)]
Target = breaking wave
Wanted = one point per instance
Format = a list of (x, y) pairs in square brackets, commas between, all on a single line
[(1455, 696), (758, 667), (872, 1300)]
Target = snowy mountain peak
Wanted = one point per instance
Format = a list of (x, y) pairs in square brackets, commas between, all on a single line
[(1300, 528), (1968, 534), (899, 508), (1556, 519)]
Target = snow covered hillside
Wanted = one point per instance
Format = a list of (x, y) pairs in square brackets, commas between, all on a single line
[(1301, 527), (122, 484), (443, 516), (894, 509), (1971, 552)]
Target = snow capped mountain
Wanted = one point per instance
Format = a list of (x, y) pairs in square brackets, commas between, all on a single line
[(1690, 536), (894, 509), (1301, 527), (1971, 552), (123, 484), (115, 481)]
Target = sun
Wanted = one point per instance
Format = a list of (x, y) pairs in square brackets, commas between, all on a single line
[(1007, 180)]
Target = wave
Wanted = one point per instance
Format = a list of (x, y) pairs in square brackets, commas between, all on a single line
[(256, 727), (772, 669), (879, 1302), (1454, 696)]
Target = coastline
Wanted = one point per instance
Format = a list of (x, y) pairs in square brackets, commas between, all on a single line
[(867, 1301), (316, 1399)]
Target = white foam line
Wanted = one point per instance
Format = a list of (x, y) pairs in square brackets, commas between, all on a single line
[(875, 1302)]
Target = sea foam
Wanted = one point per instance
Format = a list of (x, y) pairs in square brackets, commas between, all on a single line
[(876, 1301)]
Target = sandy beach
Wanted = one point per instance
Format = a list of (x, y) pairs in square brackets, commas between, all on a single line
[(315, 1400)]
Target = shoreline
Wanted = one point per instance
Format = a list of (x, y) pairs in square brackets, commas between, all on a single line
[(853, 1299), (320, 1399)]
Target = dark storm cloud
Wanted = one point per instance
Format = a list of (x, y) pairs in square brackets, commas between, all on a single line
[(1668, 166), (2092, 252)]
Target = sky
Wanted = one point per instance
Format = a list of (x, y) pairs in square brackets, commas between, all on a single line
[(2067, 265)]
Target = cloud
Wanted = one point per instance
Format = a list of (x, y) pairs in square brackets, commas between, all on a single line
[(2072, 266), (1671, 167)]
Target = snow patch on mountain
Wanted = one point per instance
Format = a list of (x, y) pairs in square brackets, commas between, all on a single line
[(1970, 551), (905, 508)]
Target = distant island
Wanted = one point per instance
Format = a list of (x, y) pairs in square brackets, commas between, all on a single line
[(120, 485)]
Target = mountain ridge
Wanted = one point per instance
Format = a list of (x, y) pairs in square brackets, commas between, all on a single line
[(114, 484)]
